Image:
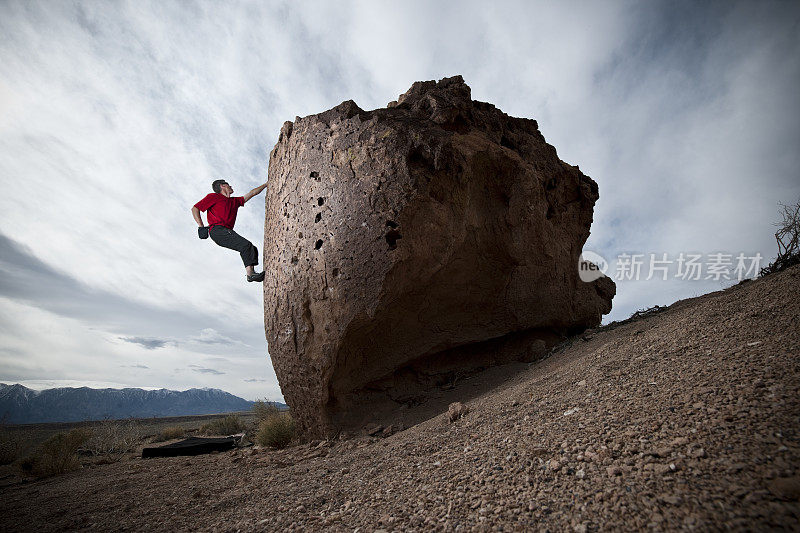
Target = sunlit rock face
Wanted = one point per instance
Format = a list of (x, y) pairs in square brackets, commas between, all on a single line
[(409, 245)]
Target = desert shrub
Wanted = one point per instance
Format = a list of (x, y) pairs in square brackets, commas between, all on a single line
[(264, 409), (171, 432), (788, 239), (276, 431), (224, 426), (113, 438), (57, 455)]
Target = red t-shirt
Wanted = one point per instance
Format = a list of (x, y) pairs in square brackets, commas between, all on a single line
[(221, 209)]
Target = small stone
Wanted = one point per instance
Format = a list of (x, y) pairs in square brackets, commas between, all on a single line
[(373, 429), (670, 499), (662, 469), (660, 452), (698, 453), (614, 470), (571, 411), (787, 488), (456, 410)]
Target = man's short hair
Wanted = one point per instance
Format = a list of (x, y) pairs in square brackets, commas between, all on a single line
[(216, 185)]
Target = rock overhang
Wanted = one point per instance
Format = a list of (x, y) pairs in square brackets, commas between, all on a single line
[(398, 239)]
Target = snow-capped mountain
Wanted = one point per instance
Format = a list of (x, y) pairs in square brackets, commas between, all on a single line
[(21, 405)]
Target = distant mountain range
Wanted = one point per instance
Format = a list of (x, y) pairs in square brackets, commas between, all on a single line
[(21, 405)]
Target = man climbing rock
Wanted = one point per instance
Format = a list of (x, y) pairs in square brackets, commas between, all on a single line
[(222, 208)]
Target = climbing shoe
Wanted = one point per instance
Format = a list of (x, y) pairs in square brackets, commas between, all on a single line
[(258, 276)]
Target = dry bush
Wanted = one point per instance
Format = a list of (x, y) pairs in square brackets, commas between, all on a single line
[(171, 432), (113, 439), (57, 455), (224, 426), (277, 430), (264, 409), (788, 238)]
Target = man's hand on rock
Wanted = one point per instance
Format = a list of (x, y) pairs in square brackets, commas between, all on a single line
[(254, 192)]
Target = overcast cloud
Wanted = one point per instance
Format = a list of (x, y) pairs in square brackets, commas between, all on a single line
[(116, 116)]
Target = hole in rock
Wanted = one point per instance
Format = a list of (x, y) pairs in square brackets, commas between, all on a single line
[(320, 200), (294, 259), (391, 238), (550, 212), (315, 175), (417, 159), (551, 184), (505, 141), (318, 245), (392, 224), (300, 235), (317, 218), (335, 272)]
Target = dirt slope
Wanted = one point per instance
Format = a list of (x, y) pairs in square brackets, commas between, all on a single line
[(687, 419)]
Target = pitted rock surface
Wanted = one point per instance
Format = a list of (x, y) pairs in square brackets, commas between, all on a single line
[(408, 245)]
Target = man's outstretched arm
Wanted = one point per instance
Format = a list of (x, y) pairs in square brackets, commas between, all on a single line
[(196, 215), (254, 192)]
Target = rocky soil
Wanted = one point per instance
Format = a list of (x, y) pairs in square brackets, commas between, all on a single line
[(686, 419)]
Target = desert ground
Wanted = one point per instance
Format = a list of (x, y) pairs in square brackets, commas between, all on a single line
[(684, 419)]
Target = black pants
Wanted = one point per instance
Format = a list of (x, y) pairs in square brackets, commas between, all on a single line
[(227, 238)]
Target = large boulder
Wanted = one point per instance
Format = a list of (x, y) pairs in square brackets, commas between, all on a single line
[(408, 245)]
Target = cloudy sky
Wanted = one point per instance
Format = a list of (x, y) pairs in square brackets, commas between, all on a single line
[(116, 116)]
